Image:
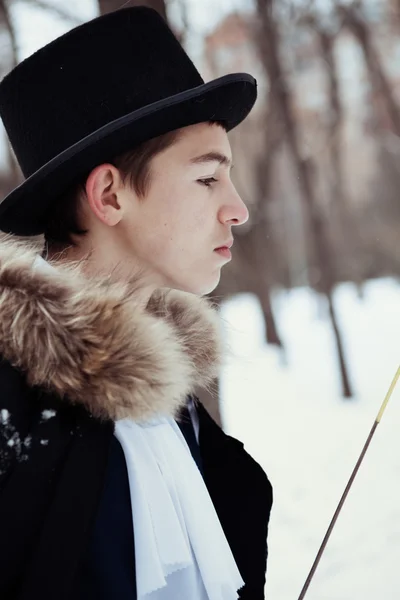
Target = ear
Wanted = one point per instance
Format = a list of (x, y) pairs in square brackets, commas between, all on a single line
[(102, 191)]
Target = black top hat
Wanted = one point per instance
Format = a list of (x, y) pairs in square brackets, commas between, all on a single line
[(96, 92)]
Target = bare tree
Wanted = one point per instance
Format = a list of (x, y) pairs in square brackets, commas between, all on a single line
[(258, 245), (335, 119), (341, 215), (7, 27), (319, 250), (353, 19), (334, 126)]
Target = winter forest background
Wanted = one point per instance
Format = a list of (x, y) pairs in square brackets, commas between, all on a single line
[(311, 301)]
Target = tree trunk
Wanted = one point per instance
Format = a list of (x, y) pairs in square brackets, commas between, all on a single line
[(345, 227), (319, 250), (346, 388), (354, 21), (107, 6), (256, 254), (262, 245), (7, 25), (334, 128), (272, 334)]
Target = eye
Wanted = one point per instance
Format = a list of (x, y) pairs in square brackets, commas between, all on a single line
[(208, 181)]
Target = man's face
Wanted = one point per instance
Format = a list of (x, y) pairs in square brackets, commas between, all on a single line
[(188, 212)]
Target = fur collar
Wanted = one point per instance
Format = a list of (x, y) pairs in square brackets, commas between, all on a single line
[(98, 343)]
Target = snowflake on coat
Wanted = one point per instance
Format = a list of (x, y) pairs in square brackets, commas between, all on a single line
[(12, 446)]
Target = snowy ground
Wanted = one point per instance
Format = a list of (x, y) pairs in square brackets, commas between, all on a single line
[(295, 423)]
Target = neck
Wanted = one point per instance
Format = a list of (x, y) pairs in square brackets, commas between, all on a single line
[(103, 260)]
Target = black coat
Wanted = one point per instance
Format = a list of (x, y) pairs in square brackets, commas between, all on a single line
[(55, 441)]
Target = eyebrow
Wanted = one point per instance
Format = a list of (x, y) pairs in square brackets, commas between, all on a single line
[(212, 157)]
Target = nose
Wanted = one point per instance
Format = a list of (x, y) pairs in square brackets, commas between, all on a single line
[(234, 211)]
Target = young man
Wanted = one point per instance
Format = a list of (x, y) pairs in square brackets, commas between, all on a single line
[(103, 494)]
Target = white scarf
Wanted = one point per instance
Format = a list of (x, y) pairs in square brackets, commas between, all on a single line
[(180, 548)]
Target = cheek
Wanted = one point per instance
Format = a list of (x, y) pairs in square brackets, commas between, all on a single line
[(174, 223), (180, 211)]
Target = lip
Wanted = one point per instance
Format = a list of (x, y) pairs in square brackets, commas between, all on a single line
[(228, 245), (224, 252)]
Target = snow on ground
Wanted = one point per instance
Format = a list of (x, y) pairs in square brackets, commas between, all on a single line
[(290, 414)]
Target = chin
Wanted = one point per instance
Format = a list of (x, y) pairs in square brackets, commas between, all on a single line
[(202, 288), (198, 287)]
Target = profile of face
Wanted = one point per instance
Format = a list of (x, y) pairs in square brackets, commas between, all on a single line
[(175, 233)]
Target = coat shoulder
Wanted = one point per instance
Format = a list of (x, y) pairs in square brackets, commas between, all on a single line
[(219, 447), (242, 495)]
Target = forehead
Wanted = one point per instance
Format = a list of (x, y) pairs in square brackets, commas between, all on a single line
[(201, 139)]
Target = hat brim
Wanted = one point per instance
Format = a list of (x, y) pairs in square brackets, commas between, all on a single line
[(228, 99)]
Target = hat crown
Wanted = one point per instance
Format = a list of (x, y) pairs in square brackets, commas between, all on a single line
[(89, 77)]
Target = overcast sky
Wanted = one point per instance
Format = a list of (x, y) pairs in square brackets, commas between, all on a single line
[(36, 27)]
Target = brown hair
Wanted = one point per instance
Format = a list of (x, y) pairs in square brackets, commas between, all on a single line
[(63, 220)]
